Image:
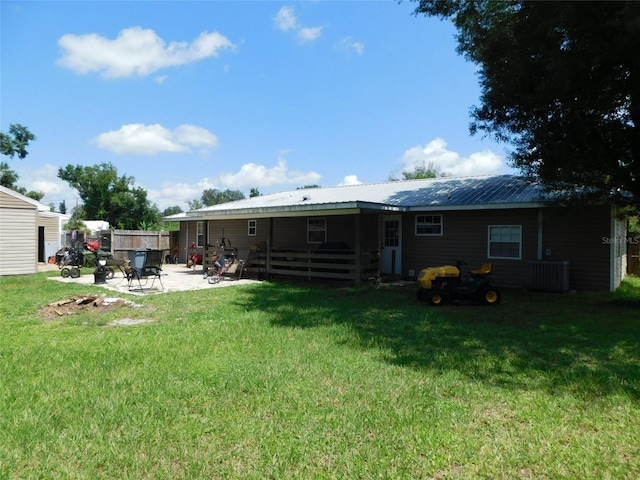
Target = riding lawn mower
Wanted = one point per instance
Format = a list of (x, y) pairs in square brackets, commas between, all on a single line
[(446, 284)]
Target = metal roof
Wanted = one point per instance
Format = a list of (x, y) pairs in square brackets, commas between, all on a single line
[(446, 193)]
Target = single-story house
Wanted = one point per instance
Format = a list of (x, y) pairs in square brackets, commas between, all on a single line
[(397, 228), (29, 233)]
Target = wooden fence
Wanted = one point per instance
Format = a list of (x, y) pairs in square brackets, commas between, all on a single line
[(119, 241), (633, 256)]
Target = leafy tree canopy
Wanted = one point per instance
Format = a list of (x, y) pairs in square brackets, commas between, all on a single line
[(195, 204), (107, 196), (213, 196), (560, 81), (420, 172), (11, 144), (171, 211), (16, 141)]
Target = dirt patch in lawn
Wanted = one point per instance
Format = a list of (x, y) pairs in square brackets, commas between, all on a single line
[(97, 304)]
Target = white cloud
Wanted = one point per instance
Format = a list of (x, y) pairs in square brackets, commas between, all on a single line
[(349, 45), (435, 154), (255, 175), (309, 34), (350, 180), (286, 19), (135, 52), (250, 175), (172, 194), (45, 179), (141, 139), (195, 136)]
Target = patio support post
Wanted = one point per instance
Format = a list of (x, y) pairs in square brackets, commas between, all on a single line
[(358, 265), (540, 232), (269, 246)]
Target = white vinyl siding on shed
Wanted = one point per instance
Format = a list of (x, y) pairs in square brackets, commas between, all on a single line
[(18, 240)]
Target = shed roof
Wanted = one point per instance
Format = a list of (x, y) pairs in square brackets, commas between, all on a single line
[(447, 193), (41, 207)]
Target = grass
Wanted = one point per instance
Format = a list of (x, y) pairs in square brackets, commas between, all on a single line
[(284, 380)]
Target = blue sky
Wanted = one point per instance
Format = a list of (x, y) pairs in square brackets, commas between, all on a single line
[(185, 96)]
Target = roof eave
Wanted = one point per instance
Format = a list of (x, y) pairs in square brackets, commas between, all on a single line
[(479, 206)]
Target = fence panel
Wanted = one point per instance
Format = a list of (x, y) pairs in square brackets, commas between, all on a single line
[(118, 242), (633, 256)]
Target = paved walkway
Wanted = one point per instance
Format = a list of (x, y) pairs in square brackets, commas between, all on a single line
[(174, 278)]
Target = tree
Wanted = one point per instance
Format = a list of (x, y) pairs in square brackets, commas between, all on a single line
[(171, 211), (195, 204), (560, 81), (62, 207), (426, 170), (254, 192), (106, 196), (16, 141), (213, 196), (12, 144)]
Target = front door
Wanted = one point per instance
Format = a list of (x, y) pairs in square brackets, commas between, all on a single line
[(391, 245)]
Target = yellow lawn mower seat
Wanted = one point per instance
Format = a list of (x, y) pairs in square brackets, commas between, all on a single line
[(485, 269)]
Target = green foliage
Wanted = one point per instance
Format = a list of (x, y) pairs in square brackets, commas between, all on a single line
[(76, 223), (106, 196), (16, 141), (560, 81), (171, 211), (12, 144), (305, 187), (195, 204), (254, 192), (422, 172), (171, 226), (213, 196), (8, 178)]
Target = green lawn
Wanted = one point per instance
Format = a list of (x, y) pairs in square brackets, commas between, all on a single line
[(285, 381)]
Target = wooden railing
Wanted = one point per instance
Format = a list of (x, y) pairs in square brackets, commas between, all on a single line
[(335, 264)]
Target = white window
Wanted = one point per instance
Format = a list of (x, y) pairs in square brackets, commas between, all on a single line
[(505, 241), (200, 234), (316, 230), (428, 225), (252, 228)]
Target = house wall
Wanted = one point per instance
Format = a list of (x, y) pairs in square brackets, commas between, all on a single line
[(574, 235), (465, 238), (51, 226), (291, 232), (18, 236), (579, 236), (236, 235), (288, 232)]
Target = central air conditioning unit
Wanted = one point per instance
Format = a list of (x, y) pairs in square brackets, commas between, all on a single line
[(548, 276)]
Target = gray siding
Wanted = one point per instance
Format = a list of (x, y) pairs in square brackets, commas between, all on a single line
[(573, 235), (576, 235), (465, 237)]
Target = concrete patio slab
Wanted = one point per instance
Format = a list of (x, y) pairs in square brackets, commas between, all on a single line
[(175, 278)]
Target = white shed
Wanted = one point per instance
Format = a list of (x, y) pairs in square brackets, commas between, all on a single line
[(29, 233)]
